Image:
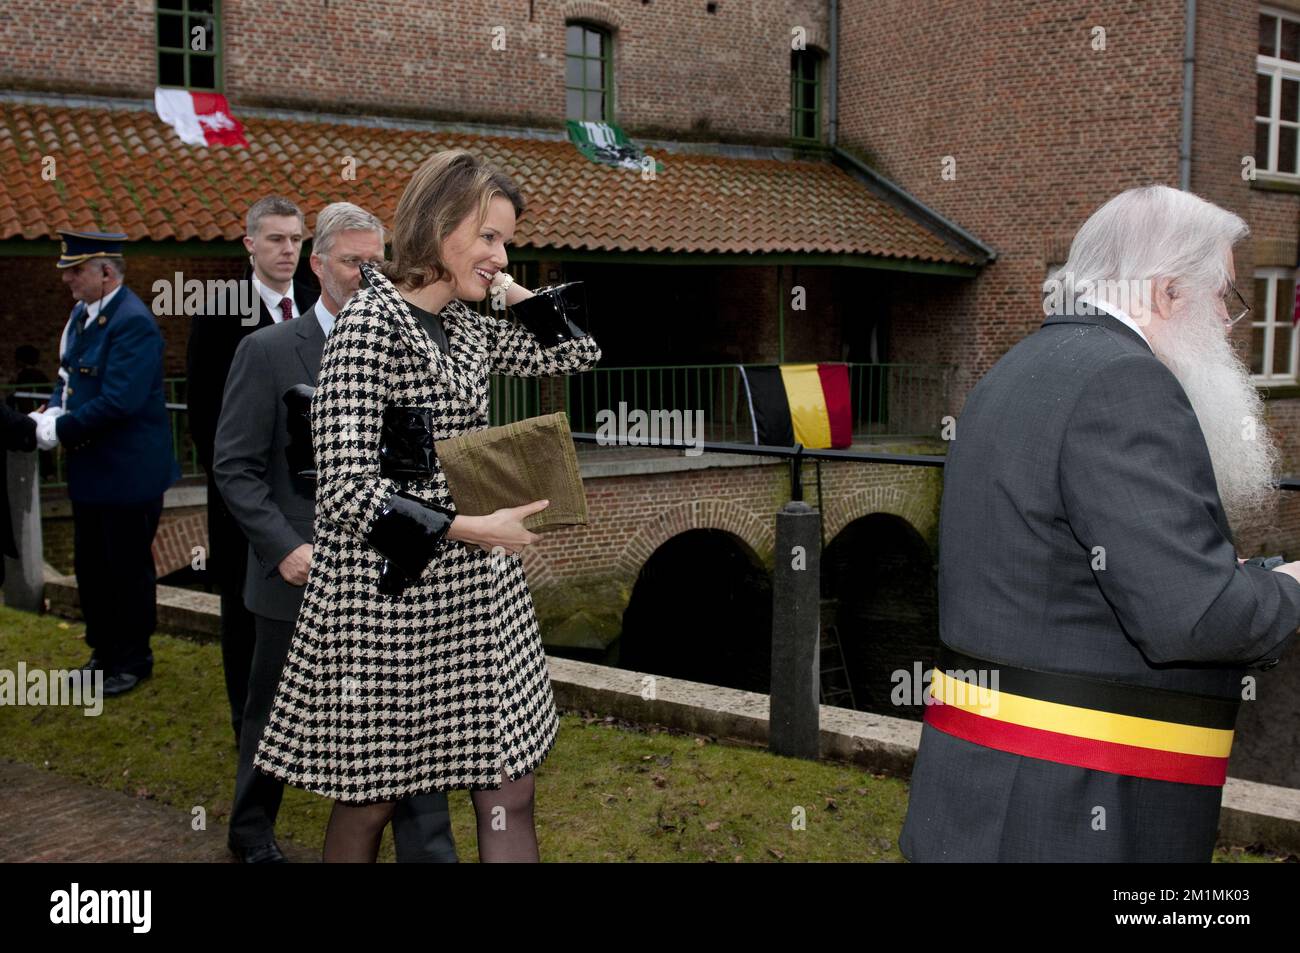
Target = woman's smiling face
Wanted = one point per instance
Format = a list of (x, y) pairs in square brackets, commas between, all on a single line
[(473, 256)]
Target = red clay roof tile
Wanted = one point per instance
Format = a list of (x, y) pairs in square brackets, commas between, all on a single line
[(126, 169)]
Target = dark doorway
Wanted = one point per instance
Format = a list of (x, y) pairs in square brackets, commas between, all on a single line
[(879, 590), (701, 610)]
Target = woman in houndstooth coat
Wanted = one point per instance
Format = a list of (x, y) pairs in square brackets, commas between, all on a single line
[(416, 663)]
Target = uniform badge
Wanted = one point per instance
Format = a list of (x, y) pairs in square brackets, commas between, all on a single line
[(102, 321)]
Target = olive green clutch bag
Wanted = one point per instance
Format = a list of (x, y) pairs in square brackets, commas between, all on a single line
[(514, 464)]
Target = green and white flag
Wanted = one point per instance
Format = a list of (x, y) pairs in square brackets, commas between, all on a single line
[(605, 142)]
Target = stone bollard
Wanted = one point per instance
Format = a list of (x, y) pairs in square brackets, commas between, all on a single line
[(25, 576), (793, 720)]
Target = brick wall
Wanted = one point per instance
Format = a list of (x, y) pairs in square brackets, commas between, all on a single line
[(1042, 130), (1222, 135), (180, 530), (37, 316), (680, 69), (106, 46), (630, 516)]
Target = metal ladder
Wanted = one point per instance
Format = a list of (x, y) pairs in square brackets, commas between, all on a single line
[(836, 689)]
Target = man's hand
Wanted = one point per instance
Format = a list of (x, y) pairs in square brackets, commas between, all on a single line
[(47, 438), (294, 567)]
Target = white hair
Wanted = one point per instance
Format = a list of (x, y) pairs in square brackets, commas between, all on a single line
[(341, 217), (1145, 234), (1230, 410)]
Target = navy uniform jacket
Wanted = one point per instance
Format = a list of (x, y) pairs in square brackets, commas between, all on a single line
[(1078, 438), (115, 432)]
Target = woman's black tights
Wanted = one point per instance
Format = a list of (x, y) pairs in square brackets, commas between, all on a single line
[(354, 832), (504, 816), (505, 822)]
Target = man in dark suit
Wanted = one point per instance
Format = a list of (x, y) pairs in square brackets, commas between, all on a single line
[(17, 432), (1088, 579), (274, 242), (109, 413), (262, 454)]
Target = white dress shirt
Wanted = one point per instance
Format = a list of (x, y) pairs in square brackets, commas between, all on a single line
[(324, 316), (1121, 316), (92, 312), (272, 299), (92, 309)]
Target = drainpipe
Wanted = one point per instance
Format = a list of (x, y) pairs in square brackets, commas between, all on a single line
[(833, 68), (1189, 77)]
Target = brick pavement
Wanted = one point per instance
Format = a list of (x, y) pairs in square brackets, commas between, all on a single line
[(45, 817)]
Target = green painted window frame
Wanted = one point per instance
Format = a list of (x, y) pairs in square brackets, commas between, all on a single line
[(187, 55), (606, 60), (802, 64)]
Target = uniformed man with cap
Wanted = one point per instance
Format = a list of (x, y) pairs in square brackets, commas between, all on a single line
[(109, 414)]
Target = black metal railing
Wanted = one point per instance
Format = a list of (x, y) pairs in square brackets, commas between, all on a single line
[(28, 397), (886, 400)]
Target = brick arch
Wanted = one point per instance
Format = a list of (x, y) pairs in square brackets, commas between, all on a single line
[(593, 11), (894, 500), (815, 37), (697, 514)]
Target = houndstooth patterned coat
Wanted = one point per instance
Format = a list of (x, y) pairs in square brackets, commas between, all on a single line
[(445, 685)]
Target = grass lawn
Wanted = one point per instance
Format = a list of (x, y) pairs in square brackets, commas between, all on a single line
[(607, 791)]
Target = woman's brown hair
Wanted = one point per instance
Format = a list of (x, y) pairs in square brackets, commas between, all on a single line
[(448, 186)]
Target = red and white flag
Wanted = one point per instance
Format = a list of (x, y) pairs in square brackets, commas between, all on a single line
[(200, 119)]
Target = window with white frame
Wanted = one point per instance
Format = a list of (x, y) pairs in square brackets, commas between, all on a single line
[(1277, 93), (1273, 339)]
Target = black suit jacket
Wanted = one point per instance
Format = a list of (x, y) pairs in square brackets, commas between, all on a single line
[(17, 432), (213, 340), (1079, 437), (250, 465)]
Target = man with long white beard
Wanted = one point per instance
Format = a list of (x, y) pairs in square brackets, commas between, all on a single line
[(1096, 622)]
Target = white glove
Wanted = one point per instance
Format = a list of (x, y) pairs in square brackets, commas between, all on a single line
[(47, 437)]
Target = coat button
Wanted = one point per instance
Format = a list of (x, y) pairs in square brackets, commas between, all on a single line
[(69, 388)]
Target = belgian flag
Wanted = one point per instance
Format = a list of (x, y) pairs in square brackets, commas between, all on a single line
[(800, 403)]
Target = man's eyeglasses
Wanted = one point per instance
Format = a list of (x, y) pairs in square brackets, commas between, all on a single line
[(1234, 304), (352, 261)]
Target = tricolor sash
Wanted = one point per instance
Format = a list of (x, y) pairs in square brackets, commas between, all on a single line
[(1089, 723)]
